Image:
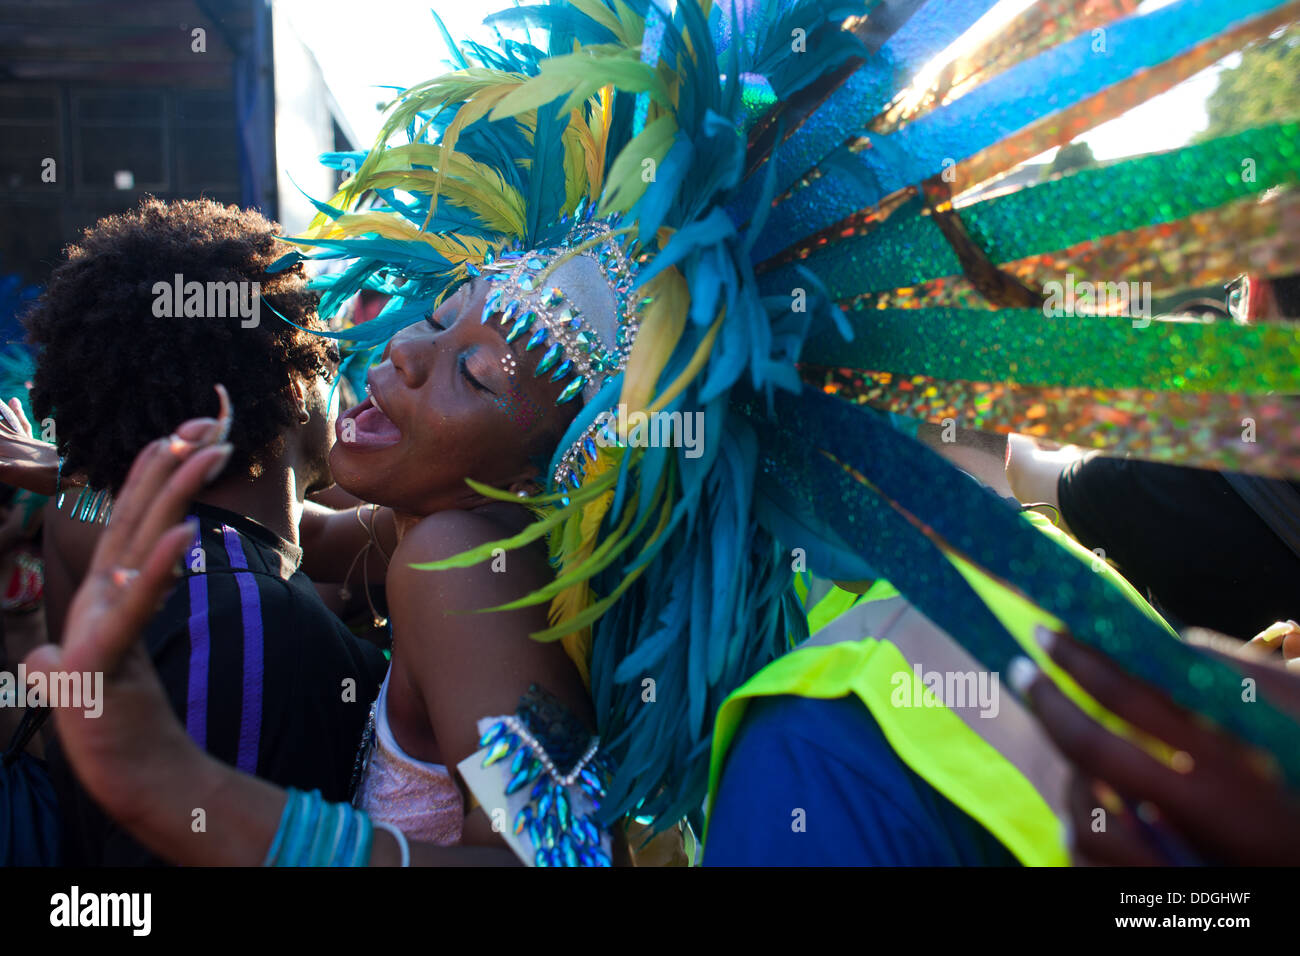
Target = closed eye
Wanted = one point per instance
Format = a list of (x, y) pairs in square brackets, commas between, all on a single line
[(469, 376)]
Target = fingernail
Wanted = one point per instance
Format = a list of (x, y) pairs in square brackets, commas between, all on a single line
[(1045, 637), (220, 460), (199, 430), (1021, 673)]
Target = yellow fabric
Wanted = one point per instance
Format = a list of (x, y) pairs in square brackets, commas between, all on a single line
[(933, 741)]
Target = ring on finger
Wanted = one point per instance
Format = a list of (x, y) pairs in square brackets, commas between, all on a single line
[(124, 576)]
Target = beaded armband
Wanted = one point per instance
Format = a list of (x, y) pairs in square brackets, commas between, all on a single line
[(540, 777)]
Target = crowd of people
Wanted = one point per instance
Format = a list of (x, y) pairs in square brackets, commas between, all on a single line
[(432, 621)]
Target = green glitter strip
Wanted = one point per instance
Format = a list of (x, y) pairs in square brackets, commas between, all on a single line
[(1256, 434), (952, 510), (1146, 191), (1025, 346)]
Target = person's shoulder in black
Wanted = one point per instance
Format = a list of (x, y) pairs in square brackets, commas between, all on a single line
[(261, 673), (1186, 538)]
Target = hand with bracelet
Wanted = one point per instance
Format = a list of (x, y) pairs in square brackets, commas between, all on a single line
[(136, 759), (25, 460)]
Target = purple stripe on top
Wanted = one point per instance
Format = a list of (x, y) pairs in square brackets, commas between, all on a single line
[(250, 607), (196, 699)]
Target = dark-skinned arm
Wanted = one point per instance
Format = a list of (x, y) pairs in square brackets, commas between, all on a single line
[(463, 665), (331, 541)]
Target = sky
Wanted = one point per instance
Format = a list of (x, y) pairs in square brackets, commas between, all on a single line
[(363, 46)]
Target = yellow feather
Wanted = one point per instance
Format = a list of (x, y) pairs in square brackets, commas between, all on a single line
[(454, 247), (661, 327)]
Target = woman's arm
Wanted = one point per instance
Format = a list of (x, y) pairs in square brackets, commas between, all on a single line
[(463, 665), (332, 540)]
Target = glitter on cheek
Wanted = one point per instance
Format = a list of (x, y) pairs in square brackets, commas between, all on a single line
[(520, 409)]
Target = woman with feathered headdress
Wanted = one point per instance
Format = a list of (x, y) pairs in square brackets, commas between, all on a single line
[(751, 172)]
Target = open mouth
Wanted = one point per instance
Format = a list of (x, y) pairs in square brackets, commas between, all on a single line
[(366, 426)]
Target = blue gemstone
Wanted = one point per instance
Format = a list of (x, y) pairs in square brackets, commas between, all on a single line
[(549, 358), (589, 446), (534, 263), (538, 338), (500, 749), (562, 808), (510, 311), (521, 755), (517, 781), (571, 391), (522, 819), (520, 326), (493, 734), (490, 305), (562, 370)]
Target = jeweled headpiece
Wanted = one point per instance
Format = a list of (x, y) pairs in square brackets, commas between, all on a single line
[(575, 300)]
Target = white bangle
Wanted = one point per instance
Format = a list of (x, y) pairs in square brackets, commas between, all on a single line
[(399, 836)]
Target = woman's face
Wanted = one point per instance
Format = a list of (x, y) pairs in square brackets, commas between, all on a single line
[(451, 400)]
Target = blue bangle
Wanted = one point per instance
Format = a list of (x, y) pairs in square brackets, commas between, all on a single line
[(364, 836), (343, 849), (332, 820), (298, 841), (291, 806), (315, 833)]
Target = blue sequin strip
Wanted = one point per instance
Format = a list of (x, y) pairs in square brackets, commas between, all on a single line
[(652, 41)]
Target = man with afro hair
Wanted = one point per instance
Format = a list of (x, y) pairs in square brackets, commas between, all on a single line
[(262, 674)]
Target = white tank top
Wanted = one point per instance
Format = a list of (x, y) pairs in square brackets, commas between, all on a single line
[(418, 798)]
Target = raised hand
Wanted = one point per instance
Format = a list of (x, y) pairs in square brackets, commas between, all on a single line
[(130, 573), (25, 461), (1216, 800)]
